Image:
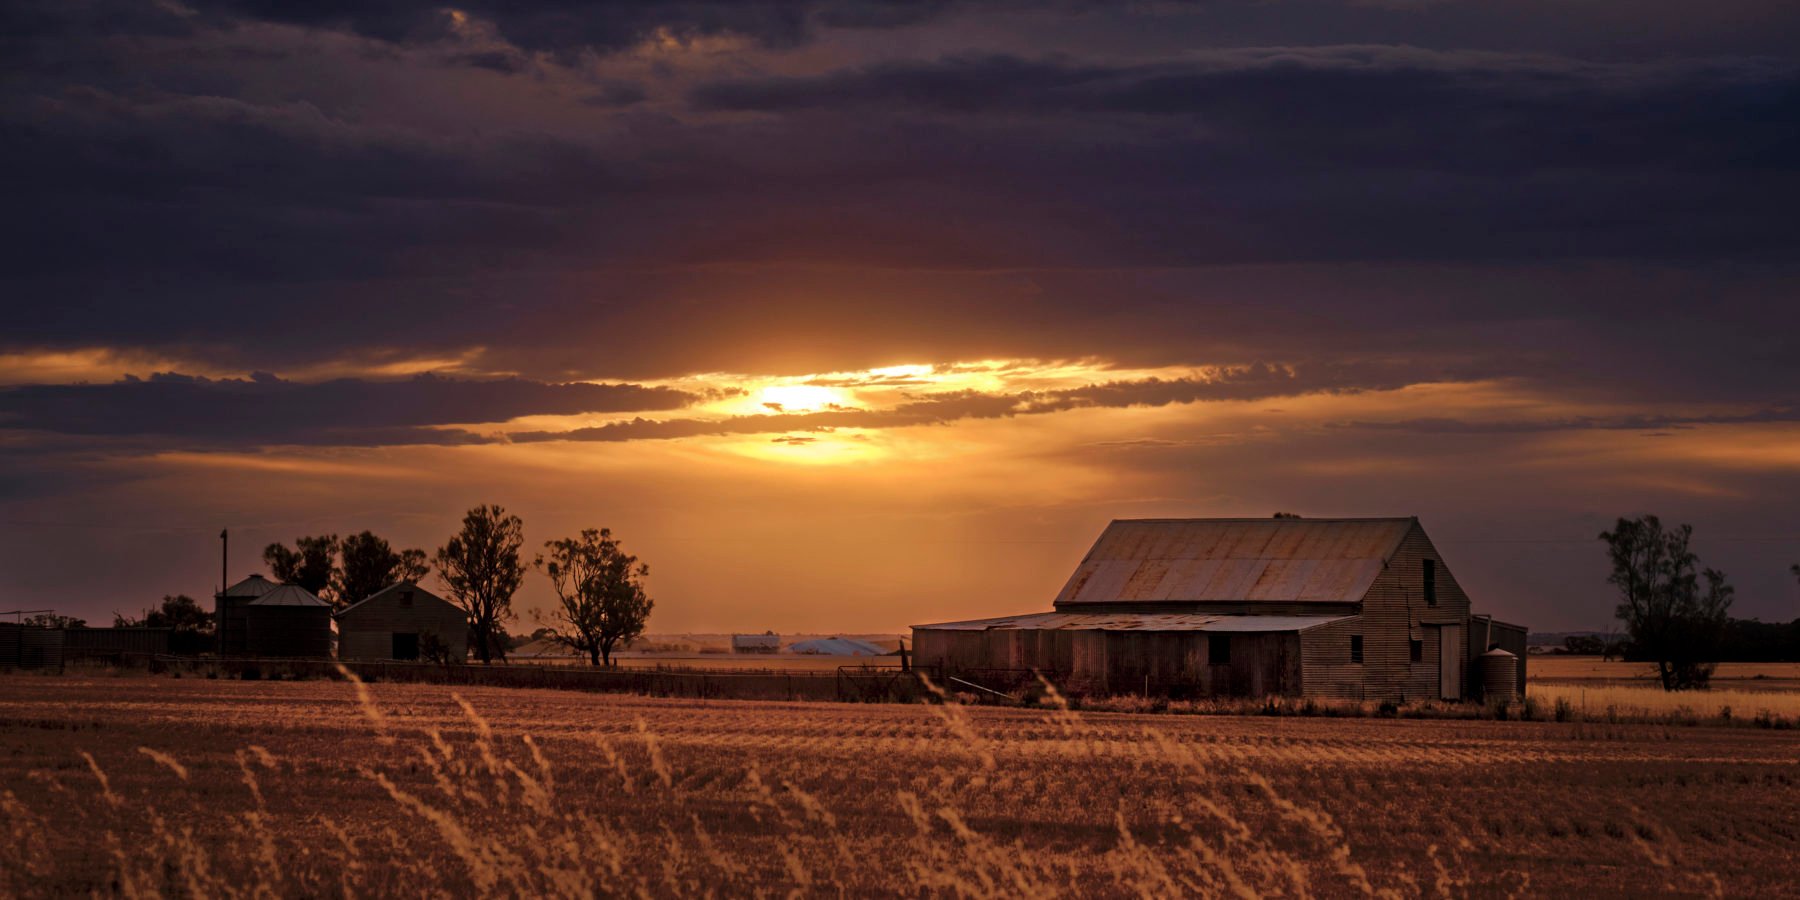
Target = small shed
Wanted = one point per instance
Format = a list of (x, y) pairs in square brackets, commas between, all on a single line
[(289, 621), (228, 612), (393, 623), (767, 642)]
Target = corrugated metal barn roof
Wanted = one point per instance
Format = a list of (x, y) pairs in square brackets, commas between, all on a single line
[(1138, 622), (1235, 560), (289, 595)]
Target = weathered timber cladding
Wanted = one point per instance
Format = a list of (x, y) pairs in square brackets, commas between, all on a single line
[(366, 630)]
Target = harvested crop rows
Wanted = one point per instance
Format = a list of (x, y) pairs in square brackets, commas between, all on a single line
[(183, 786)]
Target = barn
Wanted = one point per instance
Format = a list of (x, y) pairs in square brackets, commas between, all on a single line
[(767, 642), (393, 623), (1343, 608), (289, 621), (228, 612)]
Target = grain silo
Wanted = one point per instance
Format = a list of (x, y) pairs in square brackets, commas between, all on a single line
[(1499, 672), (289, 621), (228, 612)]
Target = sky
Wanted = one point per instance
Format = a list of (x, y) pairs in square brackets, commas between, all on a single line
[(850, 316)]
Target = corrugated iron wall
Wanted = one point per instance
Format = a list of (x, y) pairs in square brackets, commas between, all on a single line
[(84, 642), (288, 631), (29, 647)]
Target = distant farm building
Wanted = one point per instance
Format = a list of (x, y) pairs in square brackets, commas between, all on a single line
[(399, 621), (1345, 608), (289, 621), (228, 613), (767, 642)]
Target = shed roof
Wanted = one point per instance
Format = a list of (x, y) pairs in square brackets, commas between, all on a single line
[(1235, 560), (289, 595), (399, 586), (1139, 622), (253, 586)]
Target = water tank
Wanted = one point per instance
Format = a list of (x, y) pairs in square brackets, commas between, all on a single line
[(1499, 675)]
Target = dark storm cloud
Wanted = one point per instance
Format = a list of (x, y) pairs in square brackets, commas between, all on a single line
[(1355, 106), (568, 29), (1252, 382), (264, 409), (183, 192)]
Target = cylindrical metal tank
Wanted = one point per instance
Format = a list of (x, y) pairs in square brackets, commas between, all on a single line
[(1499, 675)]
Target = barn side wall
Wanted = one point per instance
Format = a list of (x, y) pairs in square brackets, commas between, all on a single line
[(367, 631), (1164, 662)]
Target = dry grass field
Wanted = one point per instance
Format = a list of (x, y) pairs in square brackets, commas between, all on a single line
[(147, 786)]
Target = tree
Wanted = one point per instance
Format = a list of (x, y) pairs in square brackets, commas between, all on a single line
[(599, 592), (481, 570), (1584, 645), (53, 620), (312, 565), (370, 564), (1672, 620)]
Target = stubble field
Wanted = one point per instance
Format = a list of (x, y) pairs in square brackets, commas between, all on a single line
[(145, 786)]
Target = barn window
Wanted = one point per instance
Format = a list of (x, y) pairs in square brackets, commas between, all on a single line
[(1356, 648), (406, 598), (1218, 649), (1429, 571), (1417, 648)]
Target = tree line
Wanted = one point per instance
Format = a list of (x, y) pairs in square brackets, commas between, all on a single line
[(1677, 613), (601, 601)]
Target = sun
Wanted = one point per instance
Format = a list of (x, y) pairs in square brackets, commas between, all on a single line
[(791, 398)]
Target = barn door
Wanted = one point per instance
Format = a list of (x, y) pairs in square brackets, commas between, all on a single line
[(1450, 662)]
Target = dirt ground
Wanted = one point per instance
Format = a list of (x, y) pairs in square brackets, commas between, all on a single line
[(140, 784)]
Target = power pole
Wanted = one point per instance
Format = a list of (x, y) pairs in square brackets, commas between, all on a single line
[(224, 568)]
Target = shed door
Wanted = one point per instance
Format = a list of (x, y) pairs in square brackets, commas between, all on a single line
[(406, 646), (1450, 662)]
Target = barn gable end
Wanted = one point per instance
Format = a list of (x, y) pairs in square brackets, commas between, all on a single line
[(392, 622)]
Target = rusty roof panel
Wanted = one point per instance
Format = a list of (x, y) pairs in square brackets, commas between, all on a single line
[(1235, 560), (1137, 622)]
